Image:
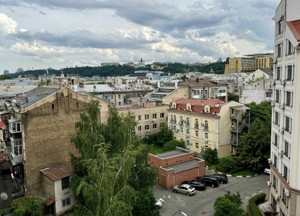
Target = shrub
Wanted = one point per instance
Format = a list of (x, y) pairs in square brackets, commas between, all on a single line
[(171, 145), (227, 164), (253, 209), (210, 156)]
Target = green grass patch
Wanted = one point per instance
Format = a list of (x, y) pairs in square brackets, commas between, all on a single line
[(212, 167)]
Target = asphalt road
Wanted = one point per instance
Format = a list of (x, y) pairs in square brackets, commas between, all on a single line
[(203, 201)]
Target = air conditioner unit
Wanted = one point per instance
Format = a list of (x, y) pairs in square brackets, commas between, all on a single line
[(269, 160), (272, 104), (206, 140), (283, 82), (280, 153), (283, 106), (276, 196), (268, 183), (282, 131), (287, 192)]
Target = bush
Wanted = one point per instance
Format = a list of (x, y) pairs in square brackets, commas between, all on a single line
[(228, 164), (253, 209), (171, 145), (210, 156)]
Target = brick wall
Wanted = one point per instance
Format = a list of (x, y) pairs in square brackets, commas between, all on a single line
[(48, 129)]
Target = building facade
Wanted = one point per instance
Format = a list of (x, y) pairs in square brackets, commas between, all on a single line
[(284, 196), (203, 124), (38, 130), (176, 166)]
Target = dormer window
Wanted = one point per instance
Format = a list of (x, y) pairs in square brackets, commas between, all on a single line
[(188, 107), (173, 105), (207, 109)]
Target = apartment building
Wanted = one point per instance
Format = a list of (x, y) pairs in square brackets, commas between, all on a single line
[(284, 196), (149, 117), (248, 63), (38, 130), (210, 123)]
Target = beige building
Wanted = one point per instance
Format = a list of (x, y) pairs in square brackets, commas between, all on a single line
[(209, 123), (149, 117), (38, 130), (284, 196), (249, 63)]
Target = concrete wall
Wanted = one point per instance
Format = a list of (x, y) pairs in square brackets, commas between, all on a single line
[(60, 195), (181, 92)]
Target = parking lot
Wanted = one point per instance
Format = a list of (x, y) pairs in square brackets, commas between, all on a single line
[(203, 201)]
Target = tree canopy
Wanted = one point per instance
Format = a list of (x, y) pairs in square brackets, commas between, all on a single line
[(111, 173), (229, 205), (28, 206)]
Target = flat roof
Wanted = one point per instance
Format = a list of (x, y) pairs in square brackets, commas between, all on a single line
[(183, 166), (171, 154)]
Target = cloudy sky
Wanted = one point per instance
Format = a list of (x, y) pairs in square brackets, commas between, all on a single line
[(37, 34)]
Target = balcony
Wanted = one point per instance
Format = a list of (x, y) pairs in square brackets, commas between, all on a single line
[(14, 126), (16, 159)]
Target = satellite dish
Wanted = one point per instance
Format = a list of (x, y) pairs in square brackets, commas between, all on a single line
[(3, 196)]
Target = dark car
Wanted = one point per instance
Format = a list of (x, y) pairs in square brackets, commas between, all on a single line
[(208, 180), (222, 178), (198, 185)]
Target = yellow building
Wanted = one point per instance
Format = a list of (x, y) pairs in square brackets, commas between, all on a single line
[(209, 123), (249, 63)]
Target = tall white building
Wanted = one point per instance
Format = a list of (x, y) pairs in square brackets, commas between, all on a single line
[(284, 182)]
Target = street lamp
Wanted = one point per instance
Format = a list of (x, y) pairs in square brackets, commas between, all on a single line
[(180, 213)]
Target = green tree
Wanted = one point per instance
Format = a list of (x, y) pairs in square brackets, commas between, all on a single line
[(233, 97), (28, 206), (254, 149), (229, 205), (109, 168), (210, 156), (263, 111), (171, 145)]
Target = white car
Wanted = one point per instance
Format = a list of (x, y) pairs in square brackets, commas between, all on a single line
[(159, 203), (267, 171), (184, 189)]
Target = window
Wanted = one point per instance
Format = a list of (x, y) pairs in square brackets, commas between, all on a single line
[(111, 97), (284, 197), (65, 183), (289, 75), (52, 107), (147, 127), (17, 147), (275, 139), (146, 117), (119, 103), (187, 131), (206, 136), (162, 115), (279, 50), (288, 99), (197, 145), (288, 124), (139, 117), (154, 126), (277, 99), (139, 128), (15, 126), (286, 148), (206, 125), (279, 26), (289, 47), (285, 172), (196, 133), (278, 73), (276, 118), (196, 124), (275, 161), (154, 116), (66, 202), (119, 96), (181, 129), (274, 183)]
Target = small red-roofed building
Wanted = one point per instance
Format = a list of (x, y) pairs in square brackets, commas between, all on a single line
[(211, 123), (56, 189)]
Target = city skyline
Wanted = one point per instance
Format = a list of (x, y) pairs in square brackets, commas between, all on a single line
[(42, 34)]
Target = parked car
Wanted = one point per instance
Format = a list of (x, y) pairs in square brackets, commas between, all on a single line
[(222, 178), (267, 171), (184, 189), (158, 203), (208, 180), (198, 185)]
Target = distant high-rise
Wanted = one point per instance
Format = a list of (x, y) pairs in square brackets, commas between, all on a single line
[(6, 72), (284, 196)]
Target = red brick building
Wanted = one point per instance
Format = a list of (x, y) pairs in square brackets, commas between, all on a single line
[(176, 166)]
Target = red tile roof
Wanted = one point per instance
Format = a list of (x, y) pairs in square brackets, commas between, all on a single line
[(198, 105), (1, 125), (295, 28), (58, 172)]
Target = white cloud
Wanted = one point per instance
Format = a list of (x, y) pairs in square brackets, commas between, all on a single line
[(7, 24)]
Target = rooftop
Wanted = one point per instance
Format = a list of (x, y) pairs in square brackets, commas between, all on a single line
[(183, 166), (58, 171), (199, 102), (173, 153), (295, 28)]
